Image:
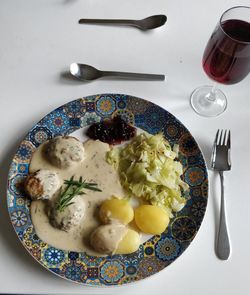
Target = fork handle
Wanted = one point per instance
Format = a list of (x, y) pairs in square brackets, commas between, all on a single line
[(223, 246)]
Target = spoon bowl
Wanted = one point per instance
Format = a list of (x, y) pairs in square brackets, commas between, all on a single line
[(84, 72), (152, 22)]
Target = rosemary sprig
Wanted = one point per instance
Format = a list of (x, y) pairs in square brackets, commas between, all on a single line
[(72, 189)]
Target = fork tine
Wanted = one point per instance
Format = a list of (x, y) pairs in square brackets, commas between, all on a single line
[(224, 138), (216, 137), (214, 149), (229, 140), (220, 139)]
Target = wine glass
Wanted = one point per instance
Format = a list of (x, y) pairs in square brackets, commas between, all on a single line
[(226, 60)]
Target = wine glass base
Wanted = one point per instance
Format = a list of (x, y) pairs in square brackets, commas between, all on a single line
[(205, 105)]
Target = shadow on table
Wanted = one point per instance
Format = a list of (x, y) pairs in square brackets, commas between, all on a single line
[(9, 239), (214, 195), (66, 78), (69, 1)]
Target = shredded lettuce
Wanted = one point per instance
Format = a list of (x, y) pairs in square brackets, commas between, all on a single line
[(149, 169)]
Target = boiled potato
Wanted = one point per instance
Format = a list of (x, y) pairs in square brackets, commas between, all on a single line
[(151, 219), (116, 209), (129, 243)]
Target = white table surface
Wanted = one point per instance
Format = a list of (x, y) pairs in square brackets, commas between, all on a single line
[(39, 39)]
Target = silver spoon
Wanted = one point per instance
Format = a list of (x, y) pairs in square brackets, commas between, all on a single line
[(149, 23), (89, 73)]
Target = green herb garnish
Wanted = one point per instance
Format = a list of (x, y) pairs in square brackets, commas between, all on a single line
[(72, 189)]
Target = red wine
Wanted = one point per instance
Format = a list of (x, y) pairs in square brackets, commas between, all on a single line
[(227, 56)]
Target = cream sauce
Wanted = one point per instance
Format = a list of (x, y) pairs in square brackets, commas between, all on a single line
[(106, 238), (93, 168)]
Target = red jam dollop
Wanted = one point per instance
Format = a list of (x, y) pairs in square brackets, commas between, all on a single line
[(113, 131)]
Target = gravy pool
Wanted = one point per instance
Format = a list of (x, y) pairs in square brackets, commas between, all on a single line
[(93, 168)]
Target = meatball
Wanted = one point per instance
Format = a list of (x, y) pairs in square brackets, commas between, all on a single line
[(64, 151), (105, 239), (42, 184), (70, 217)]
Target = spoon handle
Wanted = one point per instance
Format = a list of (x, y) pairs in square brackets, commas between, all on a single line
[(108, 21), (134, 76)]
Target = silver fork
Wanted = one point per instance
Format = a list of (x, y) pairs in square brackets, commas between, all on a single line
[(221, 161)]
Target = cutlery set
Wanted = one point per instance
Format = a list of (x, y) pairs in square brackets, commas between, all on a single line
[(85, 72)]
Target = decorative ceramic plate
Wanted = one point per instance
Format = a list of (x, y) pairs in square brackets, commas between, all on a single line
[(153, 255)]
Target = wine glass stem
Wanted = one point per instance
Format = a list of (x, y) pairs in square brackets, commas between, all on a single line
[(212, 94)]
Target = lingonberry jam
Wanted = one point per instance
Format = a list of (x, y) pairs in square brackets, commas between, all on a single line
[(113, 131)]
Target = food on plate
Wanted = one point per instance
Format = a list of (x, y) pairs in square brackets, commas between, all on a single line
[(149, 169), (112, 131), (151, 219), (105, 238), (82, 212), (71, 216), (118, 210), (115, 239), (129, 243), (42, 184), (64, 151), (72, 189), (66, 233), (69, 208)]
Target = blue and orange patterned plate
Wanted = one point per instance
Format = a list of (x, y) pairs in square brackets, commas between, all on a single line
[(153, 255)]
